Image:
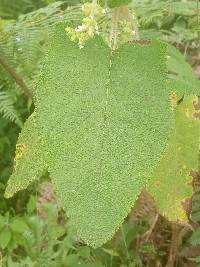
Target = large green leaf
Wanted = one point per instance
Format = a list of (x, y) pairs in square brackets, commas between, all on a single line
[(182, 79), (172, 183), (30, 159), (106, 118)]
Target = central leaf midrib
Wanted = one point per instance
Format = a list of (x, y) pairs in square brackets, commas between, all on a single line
[(105, 113)]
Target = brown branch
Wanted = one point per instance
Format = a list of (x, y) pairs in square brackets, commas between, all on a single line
[(152, 226), (174, 246), (16, 77)]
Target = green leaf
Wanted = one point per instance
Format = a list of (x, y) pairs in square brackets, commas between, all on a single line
[(5, 237), (182, 79), (195, 214), (84, 252), (111, 252), (116, 3), (30, 160), (72, 259), (106, 118), (172, 183), (195, 238), (31, 205), (2, 221), (18, 225), (196, 259)]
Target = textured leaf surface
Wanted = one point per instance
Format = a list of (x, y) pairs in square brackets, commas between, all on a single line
[(172, 182), (106, 119), (29, 160)]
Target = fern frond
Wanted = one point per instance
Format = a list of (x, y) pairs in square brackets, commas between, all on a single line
[(22, 42), (8, 110), (10, 9)]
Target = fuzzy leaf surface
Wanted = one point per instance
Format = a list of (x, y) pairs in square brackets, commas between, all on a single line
[(106, 118), (30, 159)]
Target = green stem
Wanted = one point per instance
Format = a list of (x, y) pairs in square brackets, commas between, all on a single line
[(121, 13), (198, 11), (114, 28)]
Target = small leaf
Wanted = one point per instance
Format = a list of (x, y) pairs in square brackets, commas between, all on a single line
[(72, 259), (195, 238), (5, 237), (18, 225), (197, 260), (111, 252), (84, 252), (2, 221), (31, 205)]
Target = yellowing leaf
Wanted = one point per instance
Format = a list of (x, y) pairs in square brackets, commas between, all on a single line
[(172, 182), (30, 159)]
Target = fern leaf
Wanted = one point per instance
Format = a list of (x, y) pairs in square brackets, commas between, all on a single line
[(30, 159), (172, 183), (8, 110)]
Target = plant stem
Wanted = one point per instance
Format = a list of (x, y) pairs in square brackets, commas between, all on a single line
[(114, 28), (16, 77), (121, 13), (198, 11)]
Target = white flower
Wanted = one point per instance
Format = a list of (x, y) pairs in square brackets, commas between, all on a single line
[(81, 46), (96, 28), (104, 11), (79, 28), (17, 39)]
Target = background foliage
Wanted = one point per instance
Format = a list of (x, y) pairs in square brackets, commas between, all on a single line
[(30, 233)]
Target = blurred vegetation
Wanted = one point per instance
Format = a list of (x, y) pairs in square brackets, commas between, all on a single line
[(34, 230)]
